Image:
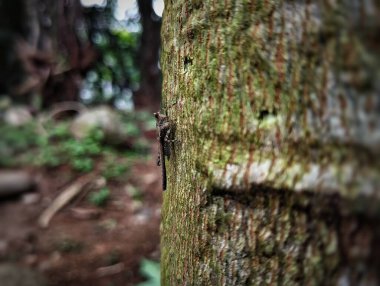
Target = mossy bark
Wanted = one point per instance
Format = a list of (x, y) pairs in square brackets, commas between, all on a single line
[(275, 177)]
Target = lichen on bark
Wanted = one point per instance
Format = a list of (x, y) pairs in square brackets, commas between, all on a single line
[(275, 177)]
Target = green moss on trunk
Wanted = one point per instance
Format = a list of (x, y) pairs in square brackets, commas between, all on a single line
[(275, 178)]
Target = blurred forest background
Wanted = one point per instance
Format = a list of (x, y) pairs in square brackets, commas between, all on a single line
[(80, 191)]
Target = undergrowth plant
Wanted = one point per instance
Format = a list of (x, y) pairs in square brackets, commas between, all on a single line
[(151, 271), (51, 145), (100, 198)]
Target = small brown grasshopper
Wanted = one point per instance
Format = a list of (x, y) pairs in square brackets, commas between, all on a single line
[(164, 134)]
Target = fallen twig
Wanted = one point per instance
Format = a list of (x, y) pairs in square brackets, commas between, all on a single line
[(85, 213), (65, 197), (110, 270)]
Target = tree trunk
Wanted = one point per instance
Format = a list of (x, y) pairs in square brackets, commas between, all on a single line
[(81, 55), (274, 178), (148, 96), (41, 52)]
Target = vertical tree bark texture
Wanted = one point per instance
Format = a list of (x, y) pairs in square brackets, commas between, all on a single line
[(275, 178)]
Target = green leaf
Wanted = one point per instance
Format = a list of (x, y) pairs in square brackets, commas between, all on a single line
[(151, 271), (101, 197), (82, 164)]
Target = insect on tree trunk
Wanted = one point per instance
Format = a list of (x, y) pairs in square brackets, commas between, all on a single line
[(275, 179), (164, 132)]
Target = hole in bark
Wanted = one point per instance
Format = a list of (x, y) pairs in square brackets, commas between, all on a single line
[(188, 61), (190, 34), (264, 113)]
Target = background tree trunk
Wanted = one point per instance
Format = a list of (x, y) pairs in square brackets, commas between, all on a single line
[(148, 96), (80, 54), (41, 52), (275, 179)]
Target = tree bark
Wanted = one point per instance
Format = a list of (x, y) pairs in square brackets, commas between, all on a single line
[(274, 178)]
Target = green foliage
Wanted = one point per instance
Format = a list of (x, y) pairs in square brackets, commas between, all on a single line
[(55, 146), (59, 130), (100, 197), (52, 145), (114, 170), (84, 165), (114, 166), (77, 153), (116, 73), (151, 271), (15, 140), (47, 157), (82, 147), (131, 129)]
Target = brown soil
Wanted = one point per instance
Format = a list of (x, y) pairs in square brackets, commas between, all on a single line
[(84, 244)]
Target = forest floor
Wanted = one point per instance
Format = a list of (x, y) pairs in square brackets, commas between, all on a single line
[(92, 240)]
